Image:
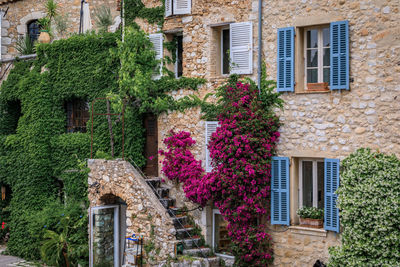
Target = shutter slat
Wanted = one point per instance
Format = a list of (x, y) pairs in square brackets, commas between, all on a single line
[(285, 72), (211, 127), (339, 55), (168, 8), (280, 191), (331, 212), (241, 48), (157, 41), (181, 7)]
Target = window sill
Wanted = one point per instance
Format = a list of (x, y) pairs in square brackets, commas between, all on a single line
[(312, 92), (301, 230)]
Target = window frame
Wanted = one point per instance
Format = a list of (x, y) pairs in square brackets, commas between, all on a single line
[(320, 49), (315, 162)]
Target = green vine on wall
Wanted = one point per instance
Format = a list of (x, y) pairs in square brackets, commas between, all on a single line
[(136, 9)]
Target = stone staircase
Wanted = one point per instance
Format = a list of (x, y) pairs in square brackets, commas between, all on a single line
[(185, 234)]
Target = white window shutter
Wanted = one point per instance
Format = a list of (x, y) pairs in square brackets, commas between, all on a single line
[(157, 40), (241, 48), (168, 8), (1, 30), (211, 127), (182, 7)]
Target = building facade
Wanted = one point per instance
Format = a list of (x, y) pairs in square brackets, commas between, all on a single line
[(336, 63)]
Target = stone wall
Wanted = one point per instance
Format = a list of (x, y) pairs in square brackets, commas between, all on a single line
[(110, 180), (14, 23), (334, 124), (296, 246)]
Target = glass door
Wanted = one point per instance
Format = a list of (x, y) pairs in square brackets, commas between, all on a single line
[(104, 236)]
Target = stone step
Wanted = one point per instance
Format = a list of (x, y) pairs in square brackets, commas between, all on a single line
[(180, 222), (190, 243), (162, 192), (167, 202), (153, 182), (174, 211), (198, 252), (183, 233)]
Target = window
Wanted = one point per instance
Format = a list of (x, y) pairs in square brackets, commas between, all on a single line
[(315, 186), (317, 55), (311, 183), (221, 240), (77, 115), (177, 7), (225, 44), (232, 48), (313, 58), (33, 30), (179, 56)]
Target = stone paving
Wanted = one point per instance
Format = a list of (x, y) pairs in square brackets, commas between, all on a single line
[(11, 261)]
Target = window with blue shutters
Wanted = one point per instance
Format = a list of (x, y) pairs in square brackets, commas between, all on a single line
[(331, 212), (320, 54), (280, 191), (285, 79)]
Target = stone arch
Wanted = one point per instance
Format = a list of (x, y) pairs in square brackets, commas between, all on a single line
[(23, 22)]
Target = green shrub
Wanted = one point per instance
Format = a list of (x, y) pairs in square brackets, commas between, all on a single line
[(369, 198), (310, 213)]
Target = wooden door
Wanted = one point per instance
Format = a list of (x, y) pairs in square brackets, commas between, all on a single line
[(151, 146)]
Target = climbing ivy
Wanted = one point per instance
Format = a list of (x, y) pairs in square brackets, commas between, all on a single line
[(36, 153), (136, 9)]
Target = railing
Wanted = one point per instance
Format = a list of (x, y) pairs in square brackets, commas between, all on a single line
[(170, 213)]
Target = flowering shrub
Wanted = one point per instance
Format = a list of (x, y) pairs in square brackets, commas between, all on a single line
[(239, 185), (369, 211)]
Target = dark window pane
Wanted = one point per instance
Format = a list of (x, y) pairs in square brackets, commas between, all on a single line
[(225, 51), (327, 75), (312, 75), (77, 115), (33, 30), (320, 179), (179, 55), (307, 183), (327, 59), (312, 39), (326, 37), (312, 58)]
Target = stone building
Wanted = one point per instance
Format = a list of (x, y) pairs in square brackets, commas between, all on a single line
[(337, 66)]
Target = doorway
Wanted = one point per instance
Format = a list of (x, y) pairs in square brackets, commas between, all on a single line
[(151, 145), (104, 236)]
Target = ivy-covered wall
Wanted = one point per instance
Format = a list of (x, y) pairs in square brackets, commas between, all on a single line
[(35, 150)]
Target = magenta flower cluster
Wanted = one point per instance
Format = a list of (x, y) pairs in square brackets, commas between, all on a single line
[(239, 184)]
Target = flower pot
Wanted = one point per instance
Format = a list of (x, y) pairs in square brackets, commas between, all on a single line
[(315, 223), (44, 37)]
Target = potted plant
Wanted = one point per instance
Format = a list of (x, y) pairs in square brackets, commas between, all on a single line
[(311, 216), (45, 22)]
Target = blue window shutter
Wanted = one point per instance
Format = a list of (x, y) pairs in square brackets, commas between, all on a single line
[(280, 190), (331, 212), (340, 55), (285, 60)]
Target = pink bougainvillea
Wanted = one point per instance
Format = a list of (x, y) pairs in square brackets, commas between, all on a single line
[(239, 184)]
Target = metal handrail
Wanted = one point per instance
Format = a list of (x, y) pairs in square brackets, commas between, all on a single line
[(173, 215)]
